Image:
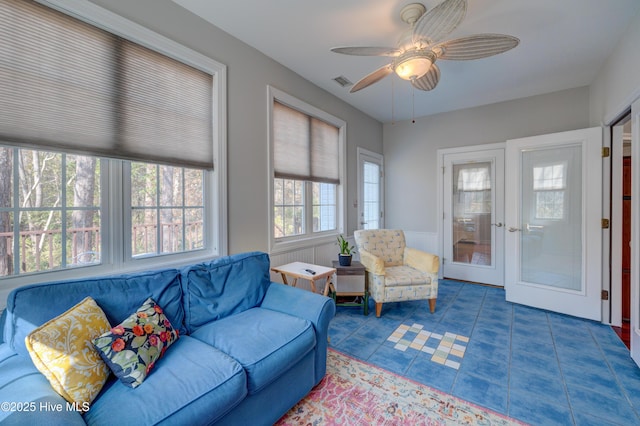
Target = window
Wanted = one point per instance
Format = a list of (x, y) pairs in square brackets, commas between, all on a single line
[(111, 150), (549, 184), (307, 189), (167, 209), (288, 207), (325, 206), (473, 188), (49, 211)]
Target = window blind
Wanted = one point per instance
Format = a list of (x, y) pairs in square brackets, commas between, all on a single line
[(67, 85), (305, 148), (474, 178)]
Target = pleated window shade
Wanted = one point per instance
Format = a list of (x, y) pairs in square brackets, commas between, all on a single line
[(67, 85), (305, 148)]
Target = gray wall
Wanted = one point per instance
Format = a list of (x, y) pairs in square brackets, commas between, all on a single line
[(249, 72), (410, 149), (618, 83)]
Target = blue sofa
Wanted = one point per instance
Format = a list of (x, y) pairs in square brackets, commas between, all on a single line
[(249, 349)]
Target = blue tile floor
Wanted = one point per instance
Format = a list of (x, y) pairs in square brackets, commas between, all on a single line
[(536, 366)]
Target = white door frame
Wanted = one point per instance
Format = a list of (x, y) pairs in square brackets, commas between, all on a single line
[(612, 312), (440, 190), (372, 157), (586, 302), (635, 232)]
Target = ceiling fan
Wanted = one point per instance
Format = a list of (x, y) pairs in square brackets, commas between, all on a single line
[(421, 45)]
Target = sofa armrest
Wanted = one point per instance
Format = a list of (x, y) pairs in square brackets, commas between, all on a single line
[(372, 263), (3, 319), (316, 308), (422, 261)]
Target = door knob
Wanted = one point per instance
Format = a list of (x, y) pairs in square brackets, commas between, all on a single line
[(497, 225), (512, 229)]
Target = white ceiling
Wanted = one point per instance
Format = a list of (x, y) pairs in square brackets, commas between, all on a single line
[(563, 44)]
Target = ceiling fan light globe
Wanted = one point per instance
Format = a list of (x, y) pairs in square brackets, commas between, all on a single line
[(413, 67)]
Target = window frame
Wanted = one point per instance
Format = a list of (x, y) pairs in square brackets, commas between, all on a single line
[(114, 235), (309, 238)]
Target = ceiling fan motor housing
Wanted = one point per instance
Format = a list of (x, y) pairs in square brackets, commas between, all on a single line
[(413, 63)]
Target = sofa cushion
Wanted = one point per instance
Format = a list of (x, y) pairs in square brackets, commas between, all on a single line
[(118, 296), (132, 347), (224, 286), (22, 385), (193, 383), (61, 349), (266, 343)]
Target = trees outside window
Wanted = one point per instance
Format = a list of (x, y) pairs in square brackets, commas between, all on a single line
[(167, 209), (51, 209)]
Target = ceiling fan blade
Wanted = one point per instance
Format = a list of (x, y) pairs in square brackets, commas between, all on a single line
[(367, 51), (374, 77), (434, 25), (475, 46), (429, 81)]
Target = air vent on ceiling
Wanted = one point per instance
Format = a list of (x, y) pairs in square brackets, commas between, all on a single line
[(342, 81)]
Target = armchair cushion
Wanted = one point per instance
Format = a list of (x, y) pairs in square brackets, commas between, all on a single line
[(421, 260), (405, 275)]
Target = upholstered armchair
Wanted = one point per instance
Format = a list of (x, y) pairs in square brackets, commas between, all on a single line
[(395, 272)]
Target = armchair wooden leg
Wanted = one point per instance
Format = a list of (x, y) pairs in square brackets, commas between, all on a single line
[(432, 305), (378, 309)]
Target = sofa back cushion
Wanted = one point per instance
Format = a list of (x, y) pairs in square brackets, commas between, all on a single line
[(224, 286), (118, 296), (387, 244)]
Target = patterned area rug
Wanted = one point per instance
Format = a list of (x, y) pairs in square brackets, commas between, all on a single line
[(356, 393)]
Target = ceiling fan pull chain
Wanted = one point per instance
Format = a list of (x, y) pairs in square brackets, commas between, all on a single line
[(413, 104), (393, 101)]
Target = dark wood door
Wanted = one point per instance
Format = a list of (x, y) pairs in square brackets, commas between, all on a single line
[(626, 238)]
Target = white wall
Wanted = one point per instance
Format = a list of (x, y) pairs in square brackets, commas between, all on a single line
[(618, 83), (410, 148), (249, 72)]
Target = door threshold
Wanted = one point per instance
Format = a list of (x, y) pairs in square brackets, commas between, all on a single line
[(474, 282)]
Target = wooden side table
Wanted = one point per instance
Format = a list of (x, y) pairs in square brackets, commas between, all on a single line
[(309, 272), (350, 281)]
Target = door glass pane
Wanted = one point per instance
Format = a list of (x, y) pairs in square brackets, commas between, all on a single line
[(551, 227), (471, 197), (371, 201)]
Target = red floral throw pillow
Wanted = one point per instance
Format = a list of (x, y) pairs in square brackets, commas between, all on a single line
[(132, 348)]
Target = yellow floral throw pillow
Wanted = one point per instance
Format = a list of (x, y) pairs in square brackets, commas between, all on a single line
[(62, 350)]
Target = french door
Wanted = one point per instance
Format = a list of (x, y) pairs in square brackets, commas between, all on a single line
[(370, 190), (553, 211), (473, 196)]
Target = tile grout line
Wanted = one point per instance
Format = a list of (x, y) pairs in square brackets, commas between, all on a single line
[(614, 373), (513, 318), (564, 380)]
